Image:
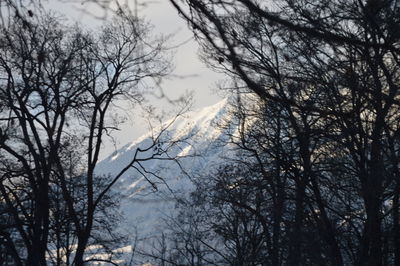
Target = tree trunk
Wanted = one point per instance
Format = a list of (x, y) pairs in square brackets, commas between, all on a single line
[(328, 230), (80, 250), (371, 254), (295, 240), (37, 251)]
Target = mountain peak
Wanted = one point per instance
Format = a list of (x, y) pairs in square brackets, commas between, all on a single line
[(195, 139)]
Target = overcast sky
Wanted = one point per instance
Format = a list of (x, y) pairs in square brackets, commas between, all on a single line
[(197, 77)]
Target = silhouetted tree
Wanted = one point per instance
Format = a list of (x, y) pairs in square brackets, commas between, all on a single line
[(332, 69), (58, 88)]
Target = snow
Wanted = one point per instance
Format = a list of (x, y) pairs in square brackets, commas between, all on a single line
[(193, 134)]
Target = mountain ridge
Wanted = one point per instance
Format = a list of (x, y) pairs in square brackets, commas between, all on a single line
[(143, 207)]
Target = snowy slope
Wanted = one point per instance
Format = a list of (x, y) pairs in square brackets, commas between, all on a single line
[(197, 138)]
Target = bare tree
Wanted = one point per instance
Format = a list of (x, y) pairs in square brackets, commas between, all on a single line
[(333, 68), (59, 85)]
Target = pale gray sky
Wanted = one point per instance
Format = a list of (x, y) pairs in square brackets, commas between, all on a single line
[(197, 77)]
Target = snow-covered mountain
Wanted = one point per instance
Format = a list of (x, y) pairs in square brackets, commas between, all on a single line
[(195, 138)]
